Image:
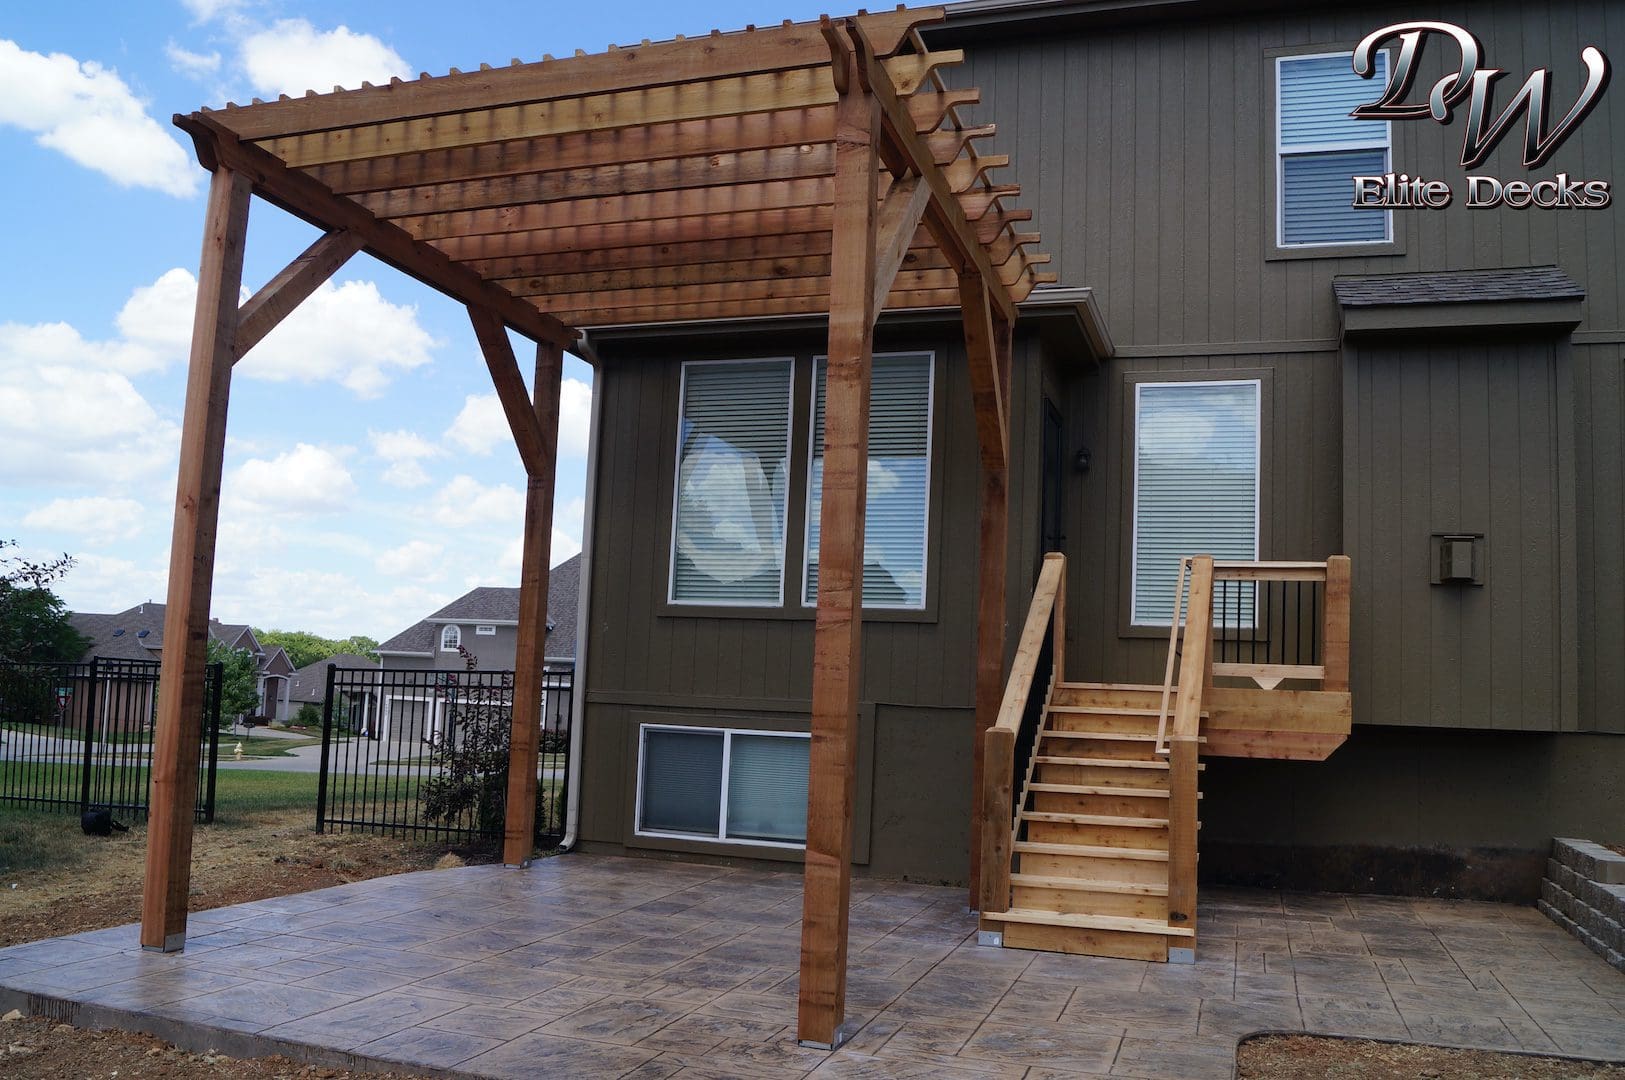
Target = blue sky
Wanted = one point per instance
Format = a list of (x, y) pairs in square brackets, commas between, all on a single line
[(369, 477)]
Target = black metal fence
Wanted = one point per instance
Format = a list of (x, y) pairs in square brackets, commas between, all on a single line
[(77, 736), (425, 753)]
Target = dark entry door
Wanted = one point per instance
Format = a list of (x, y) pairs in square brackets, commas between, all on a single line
[(1052, 529)]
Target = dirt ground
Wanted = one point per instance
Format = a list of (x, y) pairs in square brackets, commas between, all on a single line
[(269, 854), (36, 1049), (1288, 1057)]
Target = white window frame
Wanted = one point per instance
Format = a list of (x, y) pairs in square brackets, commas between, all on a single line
[(485, 630), (450, 629), (930, 448), (676, 485), (722, 799), (1134, 495), (1386, 145)]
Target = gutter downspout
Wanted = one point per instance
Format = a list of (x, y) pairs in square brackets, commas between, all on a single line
[(578, 690)]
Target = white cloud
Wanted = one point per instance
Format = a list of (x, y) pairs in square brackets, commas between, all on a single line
[(97, 520), (110, 583), (469, 504), (416, 559), (195, 65), (87, 112), (575, 417), (331, 603), (480, 426), (404, 452), (292, 56), (208, 10), (305, 480), (81, 419), (346, 333)]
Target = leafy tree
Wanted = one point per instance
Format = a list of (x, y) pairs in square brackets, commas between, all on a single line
[(34, 625), (304, 648), (239, 683)]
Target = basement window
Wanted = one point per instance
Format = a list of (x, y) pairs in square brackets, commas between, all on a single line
[(1196, 485), (733, 468), (723, 784)]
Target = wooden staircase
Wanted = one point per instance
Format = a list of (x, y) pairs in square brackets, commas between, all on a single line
[(1091, 863), (1088, 832)]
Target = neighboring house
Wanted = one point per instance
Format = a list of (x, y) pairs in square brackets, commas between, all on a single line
[(308, 686), (137, 633), (485, 622), (1254, 370)]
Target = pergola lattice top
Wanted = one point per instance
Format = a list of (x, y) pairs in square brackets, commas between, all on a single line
[(669, 182)]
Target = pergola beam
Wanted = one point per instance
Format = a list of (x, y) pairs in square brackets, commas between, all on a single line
[(177, 729), (529, 433), (671, 62), (262, 312), (304, 197)]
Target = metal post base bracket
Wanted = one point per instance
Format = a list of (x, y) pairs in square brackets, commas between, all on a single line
[(519, 865), (992, 938), (172, 944), (842, 1034), (1181, 956)]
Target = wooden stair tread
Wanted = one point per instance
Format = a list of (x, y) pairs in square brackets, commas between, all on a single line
[(1120, 923), (1105, 762), (1093, 819), (1032, 847), (1097, 789), (1107, 736), (1109, 710), (1132, 888)]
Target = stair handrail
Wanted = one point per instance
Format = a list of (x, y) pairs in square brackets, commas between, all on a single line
[(1173, 653), (1046, 618)]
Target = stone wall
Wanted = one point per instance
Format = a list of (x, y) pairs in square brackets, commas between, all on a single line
[(1584, 893)]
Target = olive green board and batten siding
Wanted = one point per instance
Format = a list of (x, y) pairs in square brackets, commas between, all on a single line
[(647, 658)]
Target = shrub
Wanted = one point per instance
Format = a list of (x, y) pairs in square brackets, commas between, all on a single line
[(308, 715)]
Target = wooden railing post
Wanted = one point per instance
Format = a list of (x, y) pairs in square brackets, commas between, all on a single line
[(1195, 675), (1335, 632), (996, 798)]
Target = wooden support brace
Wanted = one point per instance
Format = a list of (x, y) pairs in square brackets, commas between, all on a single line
[(900, 218), (1335, 634), (178, 728), (836, 639), (529, 433), (986, 380), (519, 832), (261, 312)]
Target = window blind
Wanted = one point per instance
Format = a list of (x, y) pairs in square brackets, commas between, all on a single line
[(1195, 485), (1322, 148), (767, 788), (682, 781), (895, 519), (732, 483)]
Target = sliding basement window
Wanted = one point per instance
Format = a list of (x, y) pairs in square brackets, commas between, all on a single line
[(746, 787), (1196, 485)]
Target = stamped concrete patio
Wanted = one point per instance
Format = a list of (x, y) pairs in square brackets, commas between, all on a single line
[(595, 966)]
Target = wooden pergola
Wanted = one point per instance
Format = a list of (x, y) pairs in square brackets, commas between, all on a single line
[(800, 169)]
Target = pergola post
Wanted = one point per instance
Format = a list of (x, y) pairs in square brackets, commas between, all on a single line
[(536, 433), (837, 639), (178, 733), (988, 352)]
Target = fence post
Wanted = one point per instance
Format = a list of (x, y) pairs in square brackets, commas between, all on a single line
[(211, 731), (327, 741), (90, 742)]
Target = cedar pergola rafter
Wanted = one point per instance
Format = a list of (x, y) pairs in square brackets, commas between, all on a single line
[(804, 169)]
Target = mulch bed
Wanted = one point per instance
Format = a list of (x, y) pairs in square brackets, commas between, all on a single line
[(35, 1049), (1280, 1057)]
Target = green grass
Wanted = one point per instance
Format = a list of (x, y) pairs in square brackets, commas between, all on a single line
[(67, 731), (260, 746)]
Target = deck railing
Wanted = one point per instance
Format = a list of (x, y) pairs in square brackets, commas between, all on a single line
[(1009, 743), (1268, 622)]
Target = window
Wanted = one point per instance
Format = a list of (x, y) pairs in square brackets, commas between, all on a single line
[(1321, 149), (733, 465), (485, 631), (722, 784), (1196, 484), (895, 519), (450, 638)]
